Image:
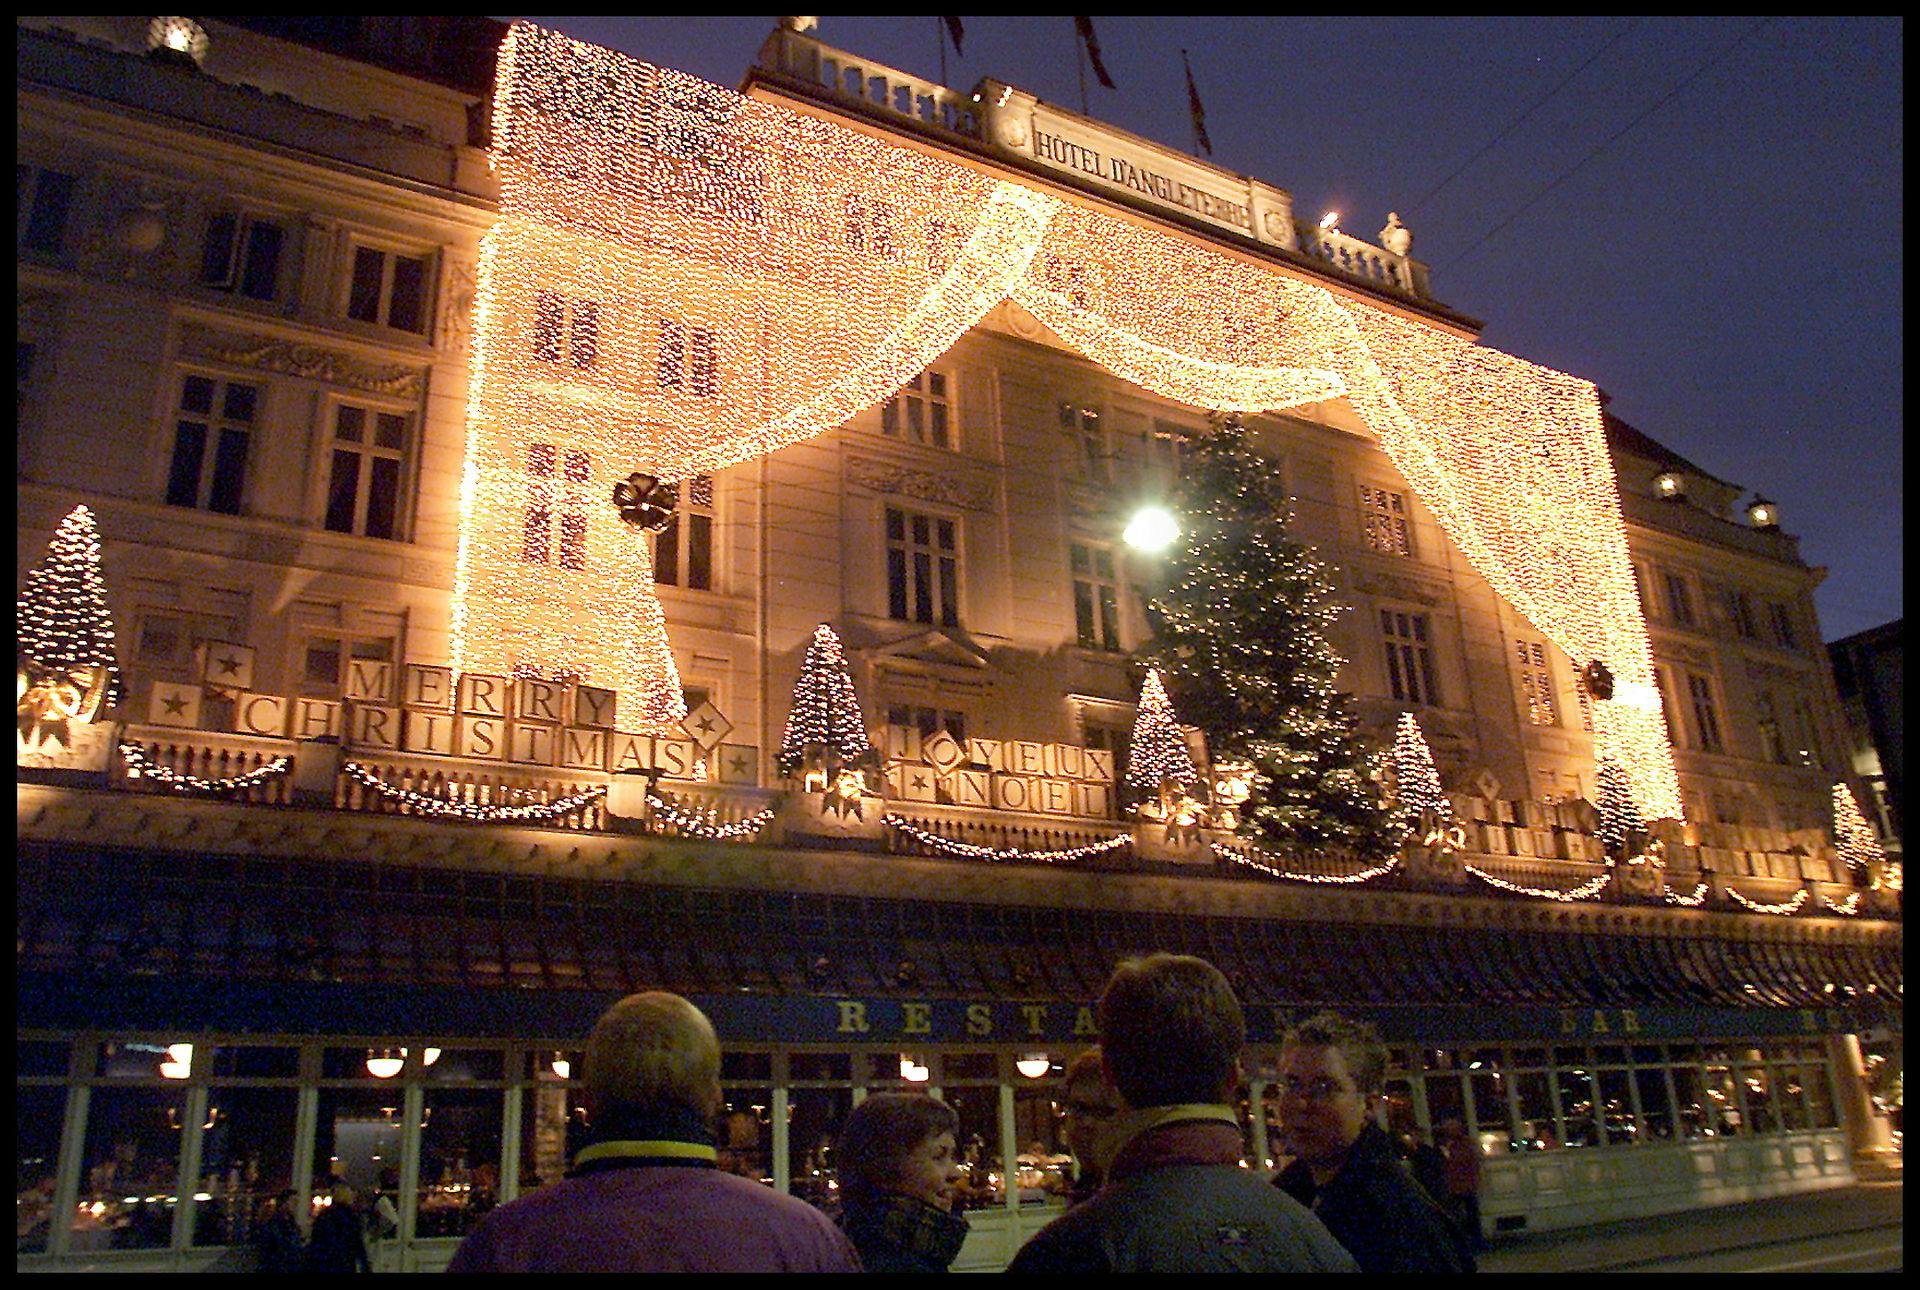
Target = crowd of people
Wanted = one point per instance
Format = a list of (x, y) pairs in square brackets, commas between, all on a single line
[(1159, 1186)]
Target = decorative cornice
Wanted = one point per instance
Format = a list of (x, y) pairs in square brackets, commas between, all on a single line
[(309, 361), (890, 477)]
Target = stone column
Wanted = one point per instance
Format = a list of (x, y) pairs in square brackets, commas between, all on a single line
[(1868, 1132)]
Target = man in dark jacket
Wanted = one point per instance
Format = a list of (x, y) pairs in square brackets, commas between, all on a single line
[(1331, 1077), (1176, 1198)]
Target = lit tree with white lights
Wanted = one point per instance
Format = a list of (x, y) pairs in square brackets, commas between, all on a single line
[(1853, 837), (1157, 758), (1417, 790), (1620, 819), (1241, 633), (62, 617), (824, 721)]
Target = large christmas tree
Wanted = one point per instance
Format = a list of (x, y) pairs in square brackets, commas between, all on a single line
[(1158, 760), (824, 722), (62, 617), (1241, 635)]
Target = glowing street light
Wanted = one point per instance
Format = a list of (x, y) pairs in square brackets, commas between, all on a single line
[(1152, 528)]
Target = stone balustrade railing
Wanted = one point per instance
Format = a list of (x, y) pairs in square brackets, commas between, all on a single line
[(1362, 259), (874, 85)]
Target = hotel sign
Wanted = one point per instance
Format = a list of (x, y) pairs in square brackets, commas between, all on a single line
[(1018, 124)]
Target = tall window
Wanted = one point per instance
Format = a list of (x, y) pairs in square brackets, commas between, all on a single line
[(1643, 587), (363, 493), (1773, 747), (683, 553), (1383, 516), (1669, 706), (1114, 737), (921, 412), (1706, 712), (1679, 600), (388, 289), (1409, 657), (211, 430), (41, 202), (1782, 618), (565, 329), (242, 255), (1096, 596), (556, 484), (1736, 607), (923, 576), (1809, 751), (1090, 437), (688, 360), (1536, 683)]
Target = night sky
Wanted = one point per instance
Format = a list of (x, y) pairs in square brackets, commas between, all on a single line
[(1728, 269)]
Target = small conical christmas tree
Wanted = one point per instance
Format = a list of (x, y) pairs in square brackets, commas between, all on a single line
[(1158, 754), (1620, 820), (825, 716), (62, 613), (1417, 781), (1240, 630), (1853, 837)]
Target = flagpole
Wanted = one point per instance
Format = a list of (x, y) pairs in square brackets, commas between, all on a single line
[(940, 39), (1193, 126), (1081, 46)]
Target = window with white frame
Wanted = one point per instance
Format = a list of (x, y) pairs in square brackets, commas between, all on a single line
[(389, 289), (556, 504), (1383, 520), (368, 465), (922, 412), (1089, 434), (1407, 638), (213, 426), (1536, 683), (566, 329), (42, 201), (1706, 711), (928, 720), (241, 254), (1096, 595), (923, 567), (683, 551)]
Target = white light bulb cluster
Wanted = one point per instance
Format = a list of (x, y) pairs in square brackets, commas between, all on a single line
[(440, 807), (1787, 907), (1157, 753), (1693, 900), (140, 766), (825, 711), (707, 825), (1250, 857), (968, 851), (1585, 891), (650, 219), (1853, 837)]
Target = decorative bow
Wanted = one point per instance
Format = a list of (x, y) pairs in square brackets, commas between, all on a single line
[(644, 502), (51, 699)]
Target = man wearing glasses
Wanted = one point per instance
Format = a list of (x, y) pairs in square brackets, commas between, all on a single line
[(1331, 1077)]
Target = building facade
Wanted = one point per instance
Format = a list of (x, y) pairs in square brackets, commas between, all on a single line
[(1867, 670), (251, 317)]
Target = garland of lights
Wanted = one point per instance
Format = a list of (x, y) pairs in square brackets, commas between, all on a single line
[(441, 807), (683, 279), (140, 766), (707, 826), (1248, 857), (968, 851), (1849, 906), (1585, 891), (1698, 898), (1789, 907)]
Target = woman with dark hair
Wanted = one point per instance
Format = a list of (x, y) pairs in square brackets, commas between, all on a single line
[(897, 1179)]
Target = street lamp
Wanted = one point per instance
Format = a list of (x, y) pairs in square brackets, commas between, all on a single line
[(1151, 529)]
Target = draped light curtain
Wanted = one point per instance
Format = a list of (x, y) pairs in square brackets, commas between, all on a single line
[(752, 277)]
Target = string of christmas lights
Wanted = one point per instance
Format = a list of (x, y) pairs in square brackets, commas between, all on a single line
[(140, 766), (1619, 817), (1788, 907), (474, 812), (61, 614), (1693, 900), (1849, 906), (1585, 891), (1416, 779), (824, 716), (683, 278), (968, 851), (1853, 837), (707, 825), (1249, 857)]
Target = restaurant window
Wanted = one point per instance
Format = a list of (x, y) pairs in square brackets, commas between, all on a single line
[(1043, 1167), (566, 329), (1409, 657), (358, 1136), (246, 1159), (1083, 425), (1706, 714), (39, 1110), (1536, 683), (42, 200), (1383, 519), (459, 1159), (553, 1118), (745, 1137), (922, 411), (1492, 1126), (130, 1163), (369, 461), (1656, 1109), (923, 578), (388, 289), (683, 551), (556, 490), (241, 254), (1096, 596), (212, 431), (976, 1100), (1679, 600), (1618, 1116), (1538, 1129)]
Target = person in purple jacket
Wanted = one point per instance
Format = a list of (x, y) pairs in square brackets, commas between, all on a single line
[(645, 1195)]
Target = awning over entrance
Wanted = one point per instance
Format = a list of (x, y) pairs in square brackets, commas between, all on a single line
[(122, 938)]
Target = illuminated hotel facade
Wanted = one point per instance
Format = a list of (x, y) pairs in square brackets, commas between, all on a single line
[(345, 361)]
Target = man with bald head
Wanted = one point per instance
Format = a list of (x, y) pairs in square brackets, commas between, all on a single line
[(645, 1195)]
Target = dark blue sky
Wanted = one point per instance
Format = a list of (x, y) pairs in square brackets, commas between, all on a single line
[(1728, 269)]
